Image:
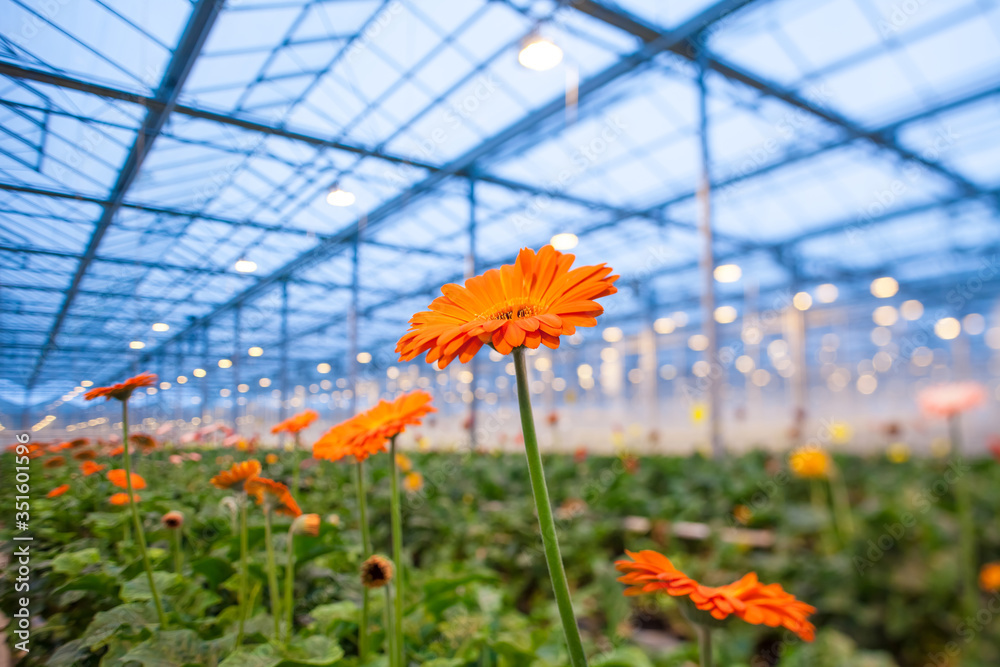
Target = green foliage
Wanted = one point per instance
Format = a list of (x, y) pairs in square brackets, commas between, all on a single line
[(478, 591)]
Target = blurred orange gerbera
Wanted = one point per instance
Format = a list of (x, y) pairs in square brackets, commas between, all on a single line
[(119, 479), (296, 423), (237, 475), (88, 468), (143, 441), (122, 498), (340, 441), (58, 491), (367, 433), (122, 390), (54, 462), (533, 301), (85, 455), (273, 494), (770, 605)]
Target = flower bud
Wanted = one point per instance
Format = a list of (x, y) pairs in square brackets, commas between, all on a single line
[(173, 519), (306, 524), (376, 572)]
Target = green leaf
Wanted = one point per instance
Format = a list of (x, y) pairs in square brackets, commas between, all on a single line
[(623, 657), (215, 570), (69, 654), (138, 588), (256, 656), (98, 582), (315, 651), (326, 615), (107, 623), (172, 648), (72, 564)]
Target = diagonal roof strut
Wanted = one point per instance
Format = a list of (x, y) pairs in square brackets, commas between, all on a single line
[(195, 33)]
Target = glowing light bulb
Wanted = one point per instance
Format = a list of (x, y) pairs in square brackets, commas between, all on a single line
[(539, 54), (338, 197)]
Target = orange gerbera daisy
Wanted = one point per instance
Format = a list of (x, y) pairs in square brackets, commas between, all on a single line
[(533, 301), (88, 468), (237, 475), (85, 455), (58, 491), (54, 462), (79, 442), (122, 390), (296, 423), (368, 432), (122, 498), (770, 605), (340, 441), (119, 479), (143, 441), (273, 494)]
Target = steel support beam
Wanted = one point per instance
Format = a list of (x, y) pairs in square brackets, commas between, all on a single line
[(376, 218), (696, 48), (706, 266), (472, 270), (195, 33)]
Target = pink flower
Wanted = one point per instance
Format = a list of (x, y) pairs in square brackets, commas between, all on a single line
[(194, 436), (994, 446), (948, 400), (165, 428), (194, 456), (176, 459)]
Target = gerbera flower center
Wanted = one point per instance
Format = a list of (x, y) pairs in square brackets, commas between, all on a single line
[(514, 309)]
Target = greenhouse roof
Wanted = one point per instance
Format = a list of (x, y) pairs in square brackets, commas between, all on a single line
[(147, 147)]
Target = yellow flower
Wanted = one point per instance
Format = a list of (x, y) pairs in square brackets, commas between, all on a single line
[(898, 452), (840, 433), (404, 463), (413, 482), (940, 447), (271, 459), (424, 443), (698, 413), (810, 462)]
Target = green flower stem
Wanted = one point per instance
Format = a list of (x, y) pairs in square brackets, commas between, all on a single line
[(390, 639), (289, 583), (139, 534), (297, 462), (178, 555), (366, 544), (704, 645), (966, 537), (244, 571), (397, 550), (272, 575), (546, 523), (821, 504), (841, 504)]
